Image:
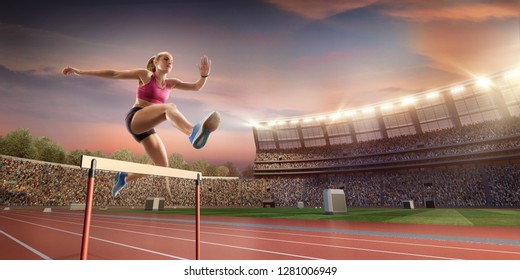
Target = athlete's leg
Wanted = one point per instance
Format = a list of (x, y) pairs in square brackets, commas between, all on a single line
[(155, 149), (151, 116)]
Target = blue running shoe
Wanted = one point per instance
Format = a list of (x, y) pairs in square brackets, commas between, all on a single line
[(201, 131), (119, 183)]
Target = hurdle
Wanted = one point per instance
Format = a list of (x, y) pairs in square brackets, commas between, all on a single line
[(97, 163)]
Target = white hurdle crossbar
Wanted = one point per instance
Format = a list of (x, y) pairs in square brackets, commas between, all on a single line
[(98, 163)]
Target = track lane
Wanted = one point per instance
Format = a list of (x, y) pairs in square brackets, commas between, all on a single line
[(174, 237)]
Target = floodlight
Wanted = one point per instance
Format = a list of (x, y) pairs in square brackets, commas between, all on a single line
[(483, 82), (387, 106), (368, 110), (457, 89), (408, 101), (512, 74), (432, 95)]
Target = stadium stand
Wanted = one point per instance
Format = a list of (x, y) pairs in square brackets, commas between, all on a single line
[(458, 148)]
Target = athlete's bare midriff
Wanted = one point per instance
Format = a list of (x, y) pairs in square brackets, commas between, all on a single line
[(141, 103)]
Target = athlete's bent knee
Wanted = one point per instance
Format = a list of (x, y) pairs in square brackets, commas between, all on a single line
[(171, 106)]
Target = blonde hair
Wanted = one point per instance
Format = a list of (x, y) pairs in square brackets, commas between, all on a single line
[(150, 65)]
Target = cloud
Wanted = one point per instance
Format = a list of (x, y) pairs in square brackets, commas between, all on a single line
[(318, 10), (468, 47), (471, 11)]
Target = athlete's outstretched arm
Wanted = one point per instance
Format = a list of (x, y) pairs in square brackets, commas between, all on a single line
[(204, 69), (136, 74)]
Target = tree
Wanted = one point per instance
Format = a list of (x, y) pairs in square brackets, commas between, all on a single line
[(144, 159), (19, 143), (221, 171), (200, 165), (48, 150), (248, 172), (177, 161), (124, 155), (74, 157), (97, 153), (232, 170)]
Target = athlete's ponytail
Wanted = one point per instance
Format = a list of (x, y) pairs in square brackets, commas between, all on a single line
[(151, 65)]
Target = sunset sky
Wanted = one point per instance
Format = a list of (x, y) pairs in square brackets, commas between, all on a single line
[(273, 58)]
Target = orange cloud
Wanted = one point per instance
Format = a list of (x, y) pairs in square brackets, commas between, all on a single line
[(468, 12), (317, 10), (468, 47)]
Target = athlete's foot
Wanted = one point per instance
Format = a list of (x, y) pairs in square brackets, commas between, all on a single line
[(201, 130), (119, 183)]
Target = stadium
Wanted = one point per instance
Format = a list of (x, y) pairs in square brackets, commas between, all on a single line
[(452, 151), (456, 144)]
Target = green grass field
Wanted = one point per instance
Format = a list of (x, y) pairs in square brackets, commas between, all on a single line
[(464, 217)]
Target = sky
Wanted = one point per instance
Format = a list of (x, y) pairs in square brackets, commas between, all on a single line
[(270, 59)]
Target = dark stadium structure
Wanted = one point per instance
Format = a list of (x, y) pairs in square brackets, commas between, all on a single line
[(457, 145)]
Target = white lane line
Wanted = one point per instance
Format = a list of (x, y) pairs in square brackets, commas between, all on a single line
[(175, 238), (317, 236), (100, 239), (373, 241), (191, 240), (40, 254), (100, 219), (274, 240)]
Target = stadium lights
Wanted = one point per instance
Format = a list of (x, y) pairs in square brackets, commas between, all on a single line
[(368, 110), (335, 116), (387, 106), (350, 113), (483, 82), (432, 95), (457, 89), (512, 74), (408, 101)]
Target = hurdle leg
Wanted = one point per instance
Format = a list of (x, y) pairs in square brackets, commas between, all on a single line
[(88, 210), (197, 217)]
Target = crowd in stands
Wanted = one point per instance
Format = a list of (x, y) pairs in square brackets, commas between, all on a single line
[(487, 184), (467, 151), (37, 184), (486, 136)]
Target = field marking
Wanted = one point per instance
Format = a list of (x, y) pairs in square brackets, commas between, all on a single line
[(438, 237), (165, 236), (321, 237), (40, 254), (99, 239), (183, 222), (419, 236), (307, 243), (275, 240)]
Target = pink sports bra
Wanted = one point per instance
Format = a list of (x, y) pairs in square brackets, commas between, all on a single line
[(152, 93)]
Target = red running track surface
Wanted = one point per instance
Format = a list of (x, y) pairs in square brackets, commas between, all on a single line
[(31, 234)]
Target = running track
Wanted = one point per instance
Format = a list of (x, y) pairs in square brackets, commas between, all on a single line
[(31, 234)]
